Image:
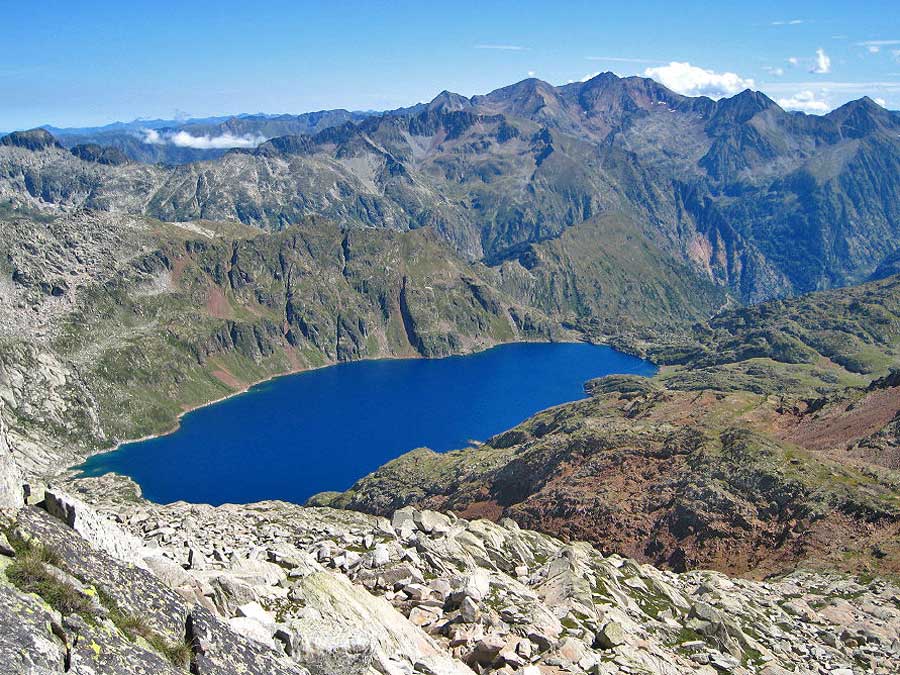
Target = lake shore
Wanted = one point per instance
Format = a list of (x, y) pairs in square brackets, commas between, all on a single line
[(517, 393)]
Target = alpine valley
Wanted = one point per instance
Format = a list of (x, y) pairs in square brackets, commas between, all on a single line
[(737, 512)]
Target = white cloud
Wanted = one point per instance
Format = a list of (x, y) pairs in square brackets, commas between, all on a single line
[(183, 139), (227, 140), (792, 22), (896, 54), (695, 81), (822, 64), (504, 48), (589, 76), (881, 102), (793, 60), (804, 101), (531, 73), (772, 70), (152, 137), (873, 49)]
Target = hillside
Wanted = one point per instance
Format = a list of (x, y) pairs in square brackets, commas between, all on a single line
[(113, 326)]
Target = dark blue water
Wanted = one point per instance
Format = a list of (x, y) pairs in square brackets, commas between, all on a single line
[(294, 436)]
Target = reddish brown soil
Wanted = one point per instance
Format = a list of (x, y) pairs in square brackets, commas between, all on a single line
[(217, 305), (846, 422), (178, 266)]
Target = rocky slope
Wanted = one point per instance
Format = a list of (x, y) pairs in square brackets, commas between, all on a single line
[(768, 442), (277, 588)]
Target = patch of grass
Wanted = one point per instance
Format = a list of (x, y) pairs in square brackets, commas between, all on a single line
[(179, 654), (29, 572), (686, 635), (650, 603), (135, 627)]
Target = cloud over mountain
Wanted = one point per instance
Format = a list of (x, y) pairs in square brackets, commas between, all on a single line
[(184, 139), (804, 101), (822, 64), (691, 80)]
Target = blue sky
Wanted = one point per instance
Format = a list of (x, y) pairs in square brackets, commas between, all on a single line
[(90, 63)]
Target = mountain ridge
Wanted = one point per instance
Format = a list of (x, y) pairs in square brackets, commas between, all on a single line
[(718, 185)]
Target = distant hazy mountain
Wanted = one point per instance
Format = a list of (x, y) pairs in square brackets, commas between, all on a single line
[(136, 140)]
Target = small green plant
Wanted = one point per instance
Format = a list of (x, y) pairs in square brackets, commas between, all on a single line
[(177, 653), (30, 572), (133, 627)]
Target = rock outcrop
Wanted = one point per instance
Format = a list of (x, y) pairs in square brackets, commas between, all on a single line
[(12, 494)]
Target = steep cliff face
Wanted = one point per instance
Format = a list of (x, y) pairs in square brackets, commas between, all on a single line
[(112, 327)]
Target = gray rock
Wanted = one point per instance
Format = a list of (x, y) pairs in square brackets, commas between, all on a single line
[(431, 522), (468, 610), (488, 649), (404, 518), (253, 610), (5, 547), (611, 635), (102, 532), (381, 555), (12, 494)]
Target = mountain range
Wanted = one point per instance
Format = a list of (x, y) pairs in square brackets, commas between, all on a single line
[(713, 187)]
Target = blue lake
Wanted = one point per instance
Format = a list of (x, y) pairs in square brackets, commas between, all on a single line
[(297, 435)]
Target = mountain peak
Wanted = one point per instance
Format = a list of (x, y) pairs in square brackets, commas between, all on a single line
[(602, 78), (449, 101), (742, 107), (33, 139), (526, 97), (861, 116)]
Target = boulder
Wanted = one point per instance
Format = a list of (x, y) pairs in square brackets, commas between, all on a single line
[(488, 649), (169, 572), (610, 636), (469, 611), (255, 611), (252, 629), (431, 522), (102, 532), (229, 592), (352, 632), (257, 572), (404, 519)]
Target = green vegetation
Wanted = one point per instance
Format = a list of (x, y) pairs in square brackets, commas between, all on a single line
[(137, 629), (30, 572)]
